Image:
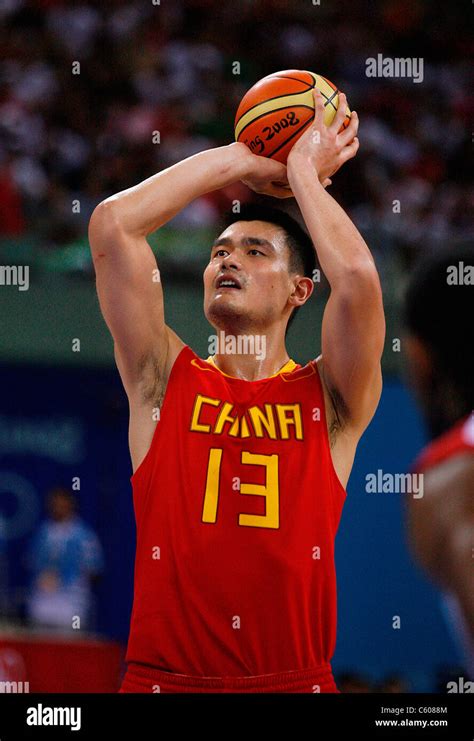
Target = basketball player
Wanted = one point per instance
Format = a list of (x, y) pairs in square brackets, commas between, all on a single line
[(241, 460), (441, 369)]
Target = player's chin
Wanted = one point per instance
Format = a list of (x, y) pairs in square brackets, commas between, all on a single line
[(227, 294), (221, 312)]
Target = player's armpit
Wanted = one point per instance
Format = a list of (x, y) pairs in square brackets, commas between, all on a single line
[(153, 373), (333, 404)]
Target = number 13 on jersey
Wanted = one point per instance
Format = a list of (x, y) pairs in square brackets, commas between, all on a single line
[(269, 490)]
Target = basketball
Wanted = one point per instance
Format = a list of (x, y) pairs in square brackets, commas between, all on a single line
[(279, 108)]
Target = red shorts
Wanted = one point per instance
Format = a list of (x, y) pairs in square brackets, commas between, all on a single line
[(142, 678)]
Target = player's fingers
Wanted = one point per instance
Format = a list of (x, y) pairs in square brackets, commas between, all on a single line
[(318, 106), (326, 182), (349, 151), (340, 113), (349, 133)]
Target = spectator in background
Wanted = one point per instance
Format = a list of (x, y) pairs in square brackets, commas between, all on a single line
[(66, 559)]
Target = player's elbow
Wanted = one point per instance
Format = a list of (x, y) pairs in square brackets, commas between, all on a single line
[(104, 216), (104, 226)]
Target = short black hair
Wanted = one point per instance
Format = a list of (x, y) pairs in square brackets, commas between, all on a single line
[(302, 252), (437, 312)]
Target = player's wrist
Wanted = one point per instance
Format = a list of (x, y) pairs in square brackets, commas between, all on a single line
[(299, 163), (240, 160)]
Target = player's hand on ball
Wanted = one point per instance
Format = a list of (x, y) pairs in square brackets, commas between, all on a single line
[(322, 145), (266, 176)]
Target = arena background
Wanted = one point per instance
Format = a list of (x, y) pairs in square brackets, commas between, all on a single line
[(68, 139)]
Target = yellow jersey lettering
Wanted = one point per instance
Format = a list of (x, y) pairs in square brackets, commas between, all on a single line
[(199, 401)]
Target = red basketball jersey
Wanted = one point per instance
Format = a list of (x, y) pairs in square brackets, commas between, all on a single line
[(237, 505), (459, 439)]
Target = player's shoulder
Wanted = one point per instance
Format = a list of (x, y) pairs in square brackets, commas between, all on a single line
[(454, 442), (447, 464), (451, 472)]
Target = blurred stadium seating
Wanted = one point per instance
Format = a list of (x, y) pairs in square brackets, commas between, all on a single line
[(69, 140)]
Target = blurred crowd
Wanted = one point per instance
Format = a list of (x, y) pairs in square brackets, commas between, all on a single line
[(85, 86)]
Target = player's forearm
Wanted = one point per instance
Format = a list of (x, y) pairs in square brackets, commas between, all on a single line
[(339, 245), (145, 207)]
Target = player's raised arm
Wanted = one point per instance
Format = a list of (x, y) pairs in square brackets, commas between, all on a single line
[(128, 285), (353, 329)]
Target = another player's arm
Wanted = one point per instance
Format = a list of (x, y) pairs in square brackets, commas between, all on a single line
[(441, 529), (353, 328), (130, 295)]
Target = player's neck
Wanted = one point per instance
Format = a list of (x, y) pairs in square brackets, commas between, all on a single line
[(249, 357), (250, 367)]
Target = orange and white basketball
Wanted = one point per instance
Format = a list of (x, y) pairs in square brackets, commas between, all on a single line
[(279, 108)]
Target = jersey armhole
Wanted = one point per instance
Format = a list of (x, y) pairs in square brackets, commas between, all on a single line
[(171, 379), (325, 428)]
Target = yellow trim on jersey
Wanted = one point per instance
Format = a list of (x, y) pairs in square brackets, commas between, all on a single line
[(287, 368)]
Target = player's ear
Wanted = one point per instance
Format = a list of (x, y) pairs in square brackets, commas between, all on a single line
[(302, 289)]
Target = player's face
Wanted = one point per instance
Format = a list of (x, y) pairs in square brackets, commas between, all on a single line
[(254, 255)]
